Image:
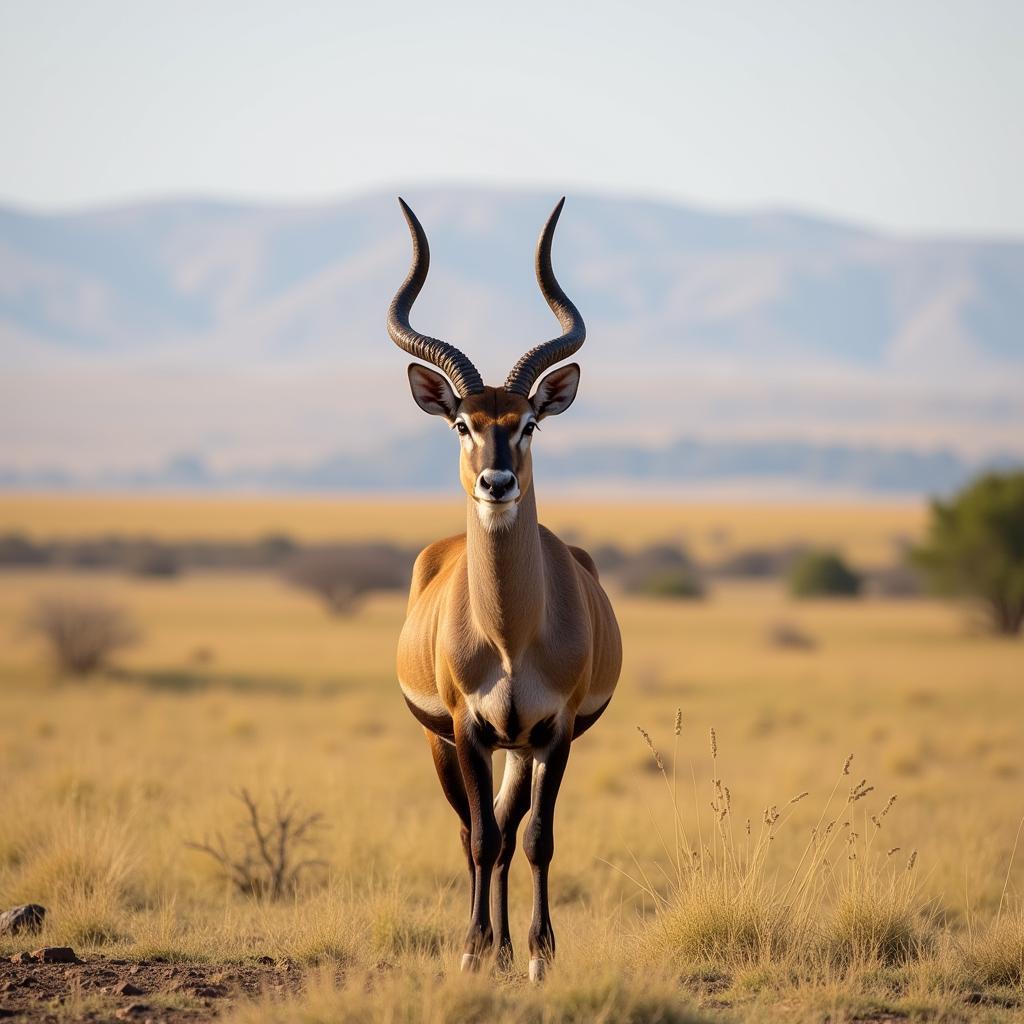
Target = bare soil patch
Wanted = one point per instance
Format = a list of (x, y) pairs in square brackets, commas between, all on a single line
[(100, 988)]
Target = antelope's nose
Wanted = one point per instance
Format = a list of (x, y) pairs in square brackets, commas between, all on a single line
[(497, 485)]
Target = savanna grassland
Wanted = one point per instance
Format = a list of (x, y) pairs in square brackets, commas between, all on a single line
[(240, 681)]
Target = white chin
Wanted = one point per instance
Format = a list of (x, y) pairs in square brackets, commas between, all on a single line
[(495, 518)]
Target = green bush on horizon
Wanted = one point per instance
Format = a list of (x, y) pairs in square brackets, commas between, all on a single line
[(823, 574)]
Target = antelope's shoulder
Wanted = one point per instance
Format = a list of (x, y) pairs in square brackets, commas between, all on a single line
[(434, 560), (566, 554), (585, 561)]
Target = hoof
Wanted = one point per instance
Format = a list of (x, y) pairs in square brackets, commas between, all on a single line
[(538, 968), (470, 962)]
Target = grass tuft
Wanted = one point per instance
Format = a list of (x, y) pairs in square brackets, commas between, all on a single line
[(723, 897), (996, 956)]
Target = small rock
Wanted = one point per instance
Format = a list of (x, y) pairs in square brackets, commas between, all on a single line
[(55, 955), (134, 969), (207, 991), (135, 1010), (991, 999), (126, 988), (26, 918)]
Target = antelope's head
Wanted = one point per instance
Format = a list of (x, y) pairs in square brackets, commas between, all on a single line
[(495, 426)]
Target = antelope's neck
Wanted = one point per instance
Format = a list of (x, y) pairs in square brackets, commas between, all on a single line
[(506, 579)]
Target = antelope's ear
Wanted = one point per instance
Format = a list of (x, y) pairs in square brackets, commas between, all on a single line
[(432, 392), (556, 391)]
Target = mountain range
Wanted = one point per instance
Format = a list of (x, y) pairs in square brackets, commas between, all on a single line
[(251, 335)]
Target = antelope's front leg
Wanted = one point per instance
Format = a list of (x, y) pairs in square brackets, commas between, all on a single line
[(510, 807), (485, 839), (539, 845)]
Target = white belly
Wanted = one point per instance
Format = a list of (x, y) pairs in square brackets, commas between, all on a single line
[(430, 704), (514, 702)]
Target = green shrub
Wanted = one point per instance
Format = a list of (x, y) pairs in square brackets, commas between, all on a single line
[(678, 583), (823, 574)]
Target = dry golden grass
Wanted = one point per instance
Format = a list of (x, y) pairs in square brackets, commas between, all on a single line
[(242, 681)]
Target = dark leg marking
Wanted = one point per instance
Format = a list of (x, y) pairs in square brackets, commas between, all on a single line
[(539, 846), (510, 806), (447, 764), (542, 733)]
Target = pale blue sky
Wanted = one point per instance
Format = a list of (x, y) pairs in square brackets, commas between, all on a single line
[(906, 114)]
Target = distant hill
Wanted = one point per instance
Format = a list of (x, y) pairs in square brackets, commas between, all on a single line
[(286, 282), (254, 334)]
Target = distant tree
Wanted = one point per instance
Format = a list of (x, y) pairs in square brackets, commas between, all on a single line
[(608, 557), (342, 575), (763, 563), (823, 574), (153, 559), (660, 570), (18, 550), (974, 548), (82, 634), (682, 583)]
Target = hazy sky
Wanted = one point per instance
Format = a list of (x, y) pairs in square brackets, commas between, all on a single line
[(904, 114)]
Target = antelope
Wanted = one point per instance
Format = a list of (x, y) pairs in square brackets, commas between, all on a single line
[(509, 640)]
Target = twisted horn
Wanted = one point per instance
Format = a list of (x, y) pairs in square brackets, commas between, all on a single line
[(460, 371), (525, 373)]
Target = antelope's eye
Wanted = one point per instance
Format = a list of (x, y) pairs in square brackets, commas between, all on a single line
[(529, 429), (462, 429)]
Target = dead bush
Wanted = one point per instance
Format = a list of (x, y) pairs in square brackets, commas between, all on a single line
[(789, 635), (265, 858), (82, 634), (760, 563)]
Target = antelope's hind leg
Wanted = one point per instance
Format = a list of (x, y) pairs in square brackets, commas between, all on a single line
[(446, 762), (510, 807)]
